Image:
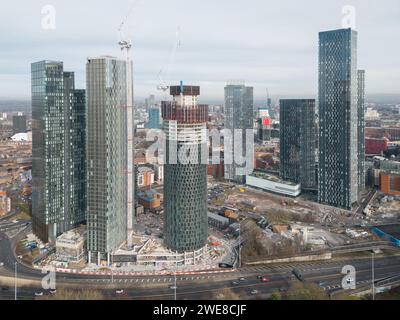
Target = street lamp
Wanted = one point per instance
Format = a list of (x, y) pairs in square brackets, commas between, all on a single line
[(373, 276), (176, 265), (15, 281), (112, 271), (240, 248)]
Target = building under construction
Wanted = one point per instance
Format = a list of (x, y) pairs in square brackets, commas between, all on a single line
[(185, 180)]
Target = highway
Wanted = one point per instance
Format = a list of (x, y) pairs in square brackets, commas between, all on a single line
[(199, 286)]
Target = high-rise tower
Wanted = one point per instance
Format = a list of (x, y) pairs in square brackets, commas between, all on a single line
[(58, 149), (106, 156), (239, 121), (185, 170), (361, 130), (297, 141), (338, 114)]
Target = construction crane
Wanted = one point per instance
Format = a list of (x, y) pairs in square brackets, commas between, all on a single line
[(165, 71), (126, 46)]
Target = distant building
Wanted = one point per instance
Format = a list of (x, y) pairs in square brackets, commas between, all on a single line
[(297, 142), (338, 119), (375, 146), (5, 203), (149, 199), (154, 119), (145, 176), (19, 124), (390, 183), (238, 110), (264, 123)]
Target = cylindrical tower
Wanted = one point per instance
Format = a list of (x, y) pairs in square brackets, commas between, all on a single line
[(185, 170)]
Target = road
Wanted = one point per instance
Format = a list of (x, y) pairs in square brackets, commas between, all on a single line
[(201, 286), (366, 201)]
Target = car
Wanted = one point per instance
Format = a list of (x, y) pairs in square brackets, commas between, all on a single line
[(173, 287), (4, 289), (242, 279), (119, 291), (259, 277), (235, 283), (264, 279), (254, 292), (282, 289), (38, 294)]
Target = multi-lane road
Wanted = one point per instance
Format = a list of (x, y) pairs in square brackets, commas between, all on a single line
[(203, 285)]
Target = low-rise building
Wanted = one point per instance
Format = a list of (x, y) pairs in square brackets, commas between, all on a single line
[(5, 203), (149, 199), (218, 221), (70, 246), (267, 182), (145, 177)]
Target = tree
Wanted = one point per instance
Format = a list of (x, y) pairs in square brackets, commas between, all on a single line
[(305, 291), (276, 296), (66, 294), (226, 294)]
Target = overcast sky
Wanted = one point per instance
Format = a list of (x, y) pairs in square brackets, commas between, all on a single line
[(270, 44)]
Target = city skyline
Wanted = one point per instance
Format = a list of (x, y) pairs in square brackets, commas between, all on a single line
[(283, 60)]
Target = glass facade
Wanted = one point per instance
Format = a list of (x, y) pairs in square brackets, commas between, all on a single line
[(19, 124), (185, 181), (338, 133), (361, 130), (106, 154), (58, 147), (238, 116), (48, 140), (297, 141), (154, 119)]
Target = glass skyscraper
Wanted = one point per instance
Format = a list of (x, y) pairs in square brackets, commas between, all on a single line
[(154, 119), (107, 140), (185, 179), (19, 124), (58, 150), (238, 119), (338, 118), (297, 141), (361, 129)]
